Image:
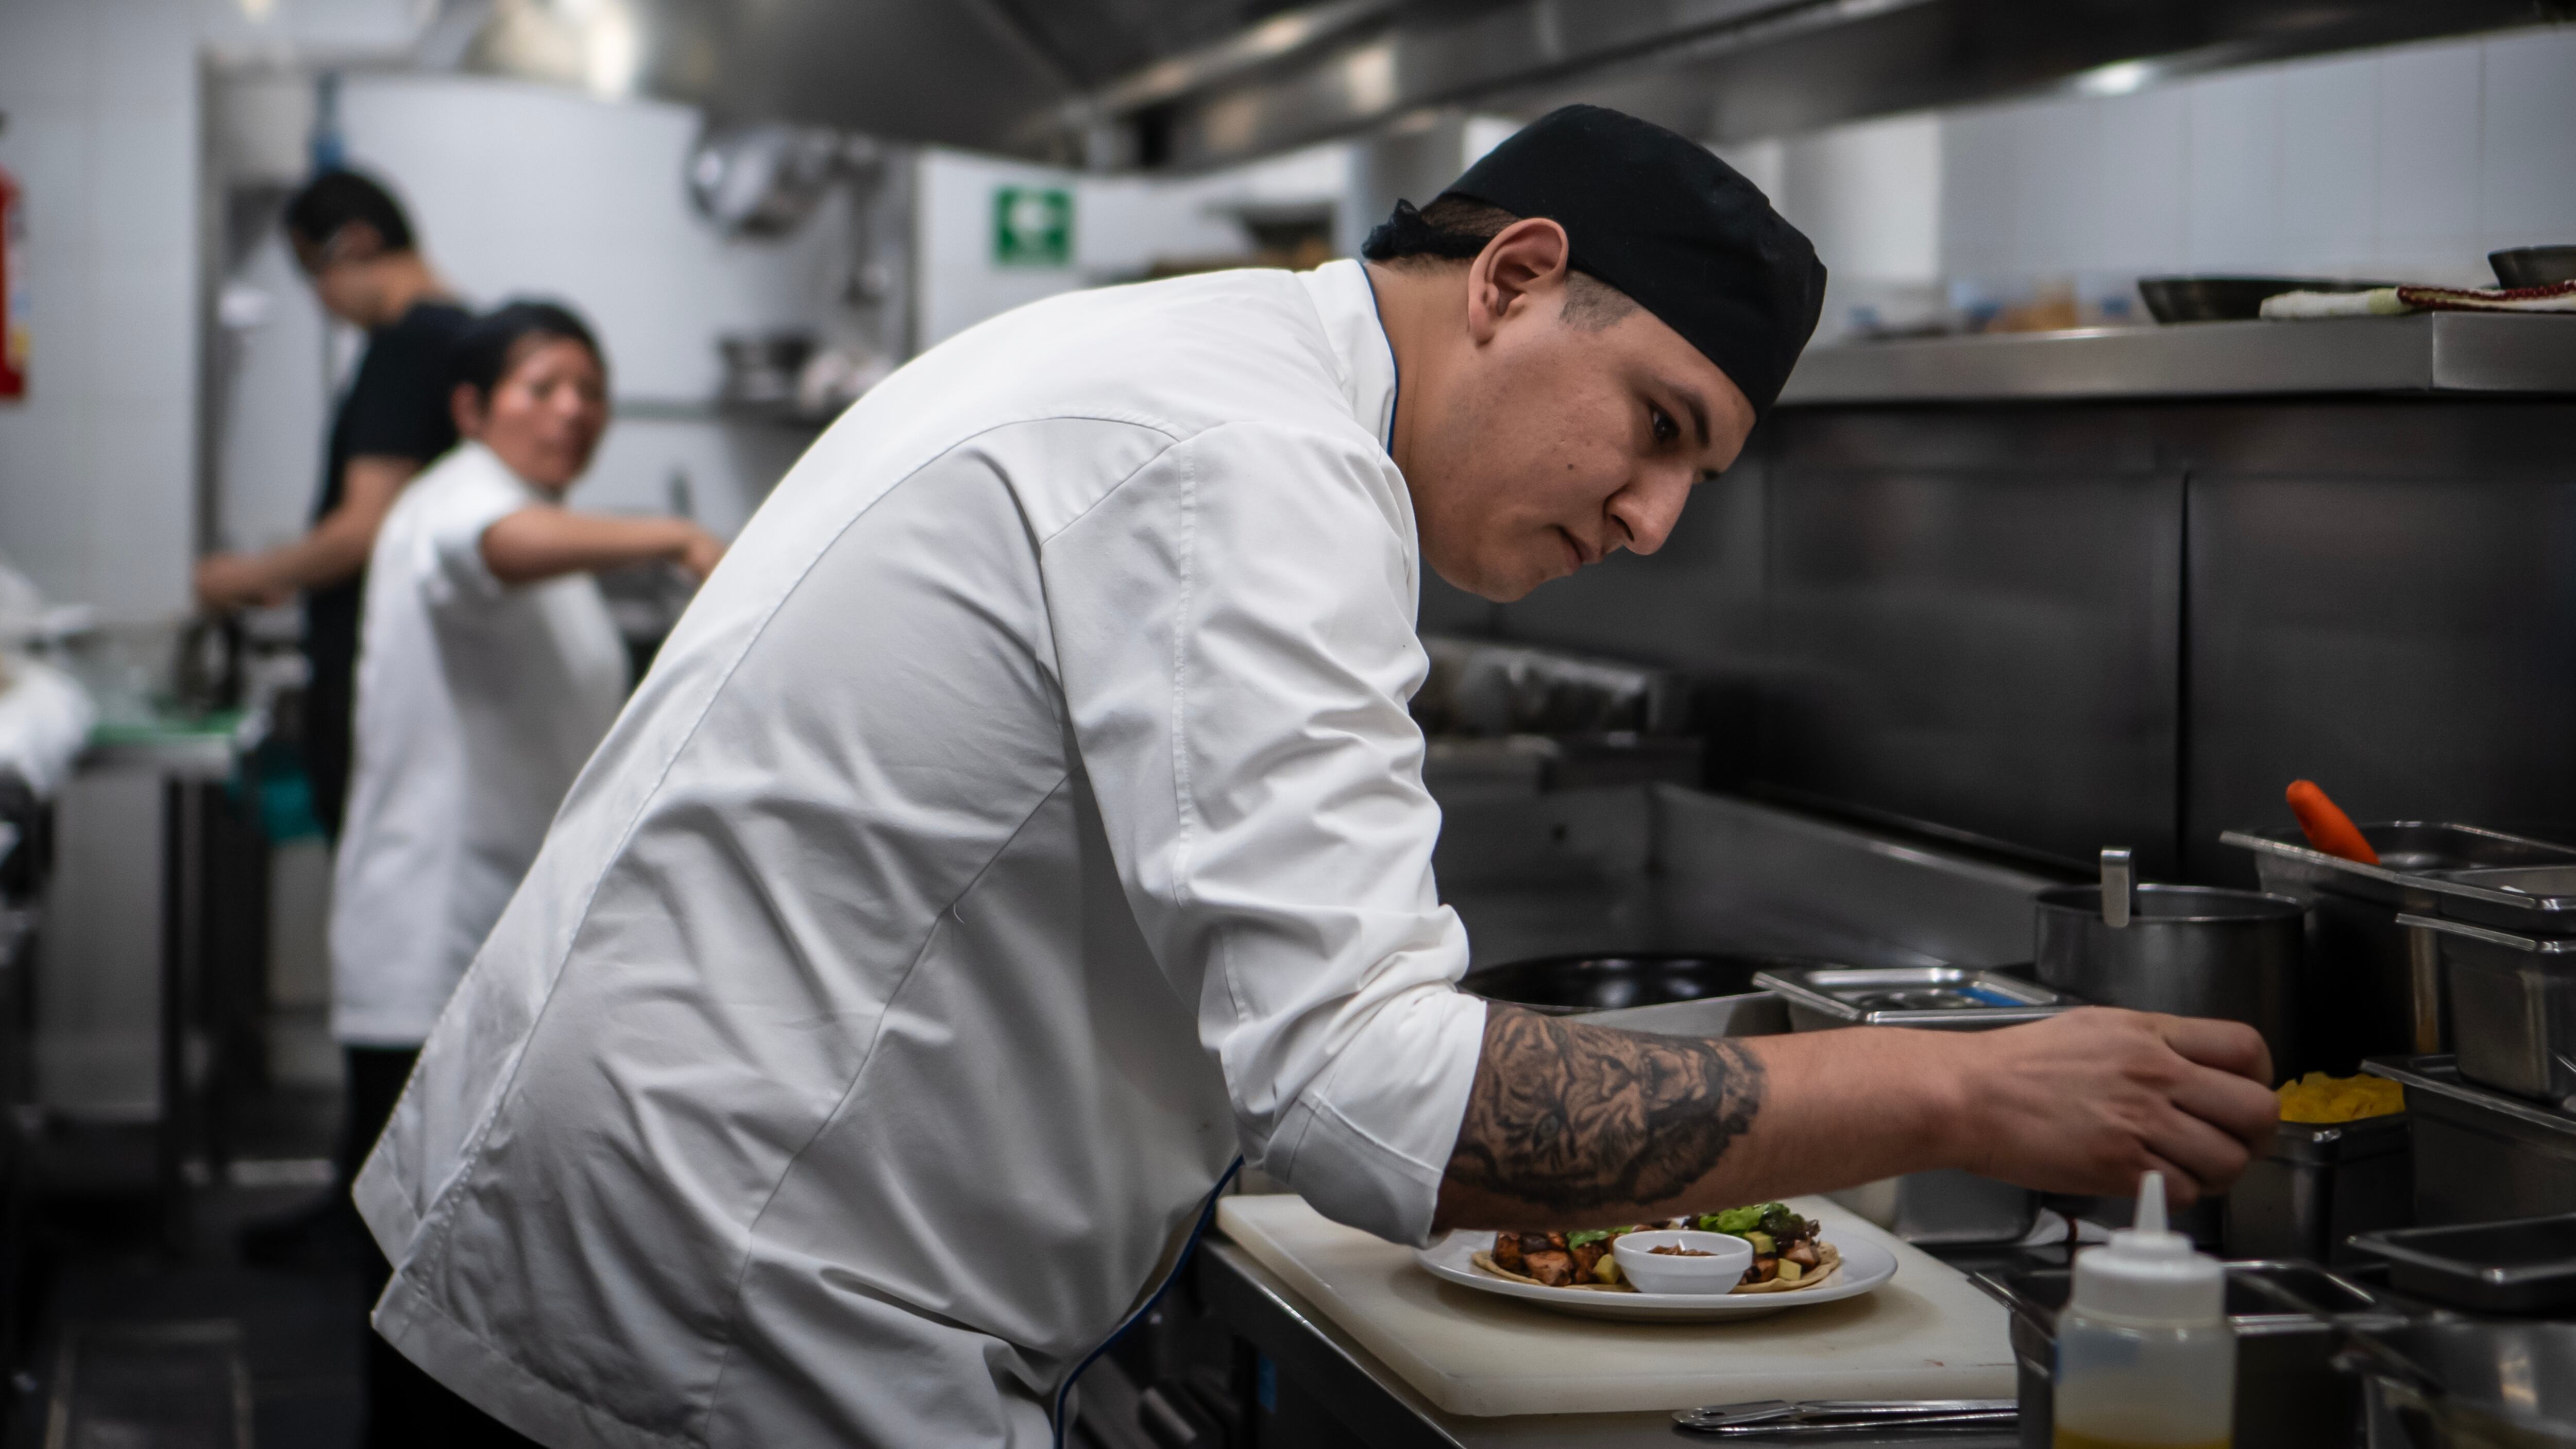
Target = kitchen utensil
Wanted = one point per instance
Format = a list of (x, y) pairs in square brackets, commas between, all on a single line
[(2480, 1155), (2533, 266), (2116, 882), (1947, 998), (2377, 986), (2325, 824), (2230, 299), (2512, 1002), (2453, 1384), (1843, 1416), (2319, 1184), (1865, 1265), (1651, 1272), (2527, 1265), (1945, 1206), (2533, 900), (2188, 950), (2287, 1317)]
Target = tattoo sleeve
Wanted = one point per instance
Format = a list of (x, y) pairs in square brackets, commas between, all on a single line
[(1569, 1117)]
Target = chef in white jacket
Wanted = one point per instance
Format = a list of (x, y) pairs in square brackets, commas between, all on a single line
[(488, 669), (1025, 821)]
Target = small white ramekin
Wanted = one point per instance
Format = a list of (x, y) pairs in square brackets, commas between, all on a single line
[(1651, 1272)]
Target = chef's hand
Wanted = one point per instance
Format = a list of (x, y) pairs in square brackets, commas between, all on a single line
[(2087, 1101), (231, 580)]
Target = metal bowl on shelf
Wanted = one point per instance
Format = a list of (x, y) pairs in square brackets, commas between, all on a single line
[(2231, 299), (2534, 266)]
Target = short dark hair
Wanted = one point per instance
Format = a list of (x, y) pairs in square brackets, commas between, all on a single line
[(1456, 228), (334, 199), (489, 344)]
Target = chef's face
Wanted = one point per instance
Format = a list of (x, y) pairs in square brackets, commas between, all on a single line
[(1552, 437), (546, 413)]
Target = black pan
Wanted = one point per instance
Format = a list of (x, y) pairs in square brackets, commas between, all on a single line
[(2230, 299), (1562, 985)]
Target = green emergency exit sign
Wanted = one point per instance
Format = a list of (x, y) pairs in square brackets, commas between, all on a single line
[(1032, 226)]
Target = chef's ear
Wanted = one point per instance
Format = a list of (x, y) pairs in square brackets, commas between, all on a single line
[(465, 405), (1524, 262)]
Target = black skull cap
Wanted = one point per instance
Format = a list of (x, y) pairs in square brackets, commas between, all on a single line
[(1661, 218)]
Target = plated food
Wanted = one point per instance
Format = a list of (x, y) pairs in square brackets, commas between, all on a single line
[(1788, 1256)]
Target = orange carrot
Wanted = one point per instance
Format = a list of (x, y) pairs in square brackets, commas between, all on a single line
[(2327, 827)]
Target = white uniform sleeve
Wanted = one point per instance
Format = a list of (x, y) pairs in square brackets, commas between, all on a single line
[(1234, 630), (453, 536)]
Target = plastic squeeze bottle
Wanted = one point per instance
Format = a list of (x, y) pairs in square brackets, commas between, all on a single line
[(2145, 1358)]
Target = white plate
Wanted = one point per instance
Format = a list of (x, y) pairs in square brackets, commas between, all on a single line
[(1865, 1266)]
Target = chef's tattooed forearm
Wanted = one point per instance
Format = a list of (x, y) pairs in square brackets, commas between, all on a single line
[(1571, 1117)]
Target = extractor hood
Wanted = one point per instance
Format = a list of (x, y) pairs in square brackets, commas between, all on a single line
[(1186, 84)]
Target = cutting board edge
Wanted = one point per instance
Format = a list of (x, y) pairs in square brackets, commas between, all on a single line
[(1958, 1381)]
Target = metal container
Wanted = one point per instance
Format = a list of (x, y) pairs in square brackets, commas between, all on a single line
[(2230, 299), (2533, 266), (1944, 998), (2374, 987), (2287, 1318), (2538, 900), (2320, 1184), (2188, 950), (1946, 1206), (2524, 1266), (1669, 993), (2512, 1004), (2453, 1384), (2481, 1156)]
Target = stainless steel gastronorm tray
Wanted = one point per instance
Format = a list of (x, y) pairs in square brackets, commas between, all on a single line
[(2527, 1265), (2540, 899), (2481, 1156), (2512, 1002), (2413, 855), (1950, 998)]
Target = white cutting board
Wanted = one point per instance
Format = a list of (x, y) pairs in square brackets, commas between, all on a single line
[(1927, 1333)]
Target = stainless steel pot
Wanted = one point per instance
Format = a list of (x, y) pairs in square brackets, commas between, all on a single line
[(2187, 950)]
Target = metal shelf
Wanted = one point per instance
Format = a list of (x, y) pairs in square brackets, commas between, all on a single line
[(2438, 352)]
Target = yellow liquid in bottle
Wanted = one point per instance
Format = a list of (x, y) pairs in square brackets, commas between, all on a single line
[(2064, 1438)]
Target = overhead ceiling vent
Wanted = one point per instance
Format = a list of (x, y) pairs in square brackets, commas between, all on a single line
[(1187, 84)]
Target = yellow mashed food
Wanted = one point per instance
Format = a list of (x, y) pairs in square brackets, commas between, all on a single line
[(2317, 1098)]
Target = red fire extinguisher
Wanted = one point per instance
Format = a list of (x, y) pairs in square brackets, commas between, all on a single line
[(14, 322)]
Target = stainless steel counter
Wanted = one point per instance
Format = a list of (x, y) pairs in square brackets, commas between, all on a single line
[(2439, 352)]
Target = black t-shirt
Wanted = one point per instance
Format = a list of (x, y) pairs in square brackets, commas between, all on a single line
[(396, 407)]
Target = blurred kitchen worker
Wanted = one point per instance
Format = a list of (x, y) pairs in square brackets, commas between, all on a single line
[(488, 669), (1026, 820), (356, 247)]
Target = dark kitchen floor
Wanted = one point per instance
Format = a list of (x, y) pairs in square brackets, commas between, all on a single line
[(161, 1346)]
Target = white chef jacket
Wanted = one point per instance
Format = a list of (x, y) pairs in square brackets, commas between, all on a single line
[(477, 703), (1024, 819)]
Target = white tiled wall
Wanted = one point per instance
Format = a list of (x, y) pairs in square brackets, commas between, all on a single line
[(2411, 162)]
